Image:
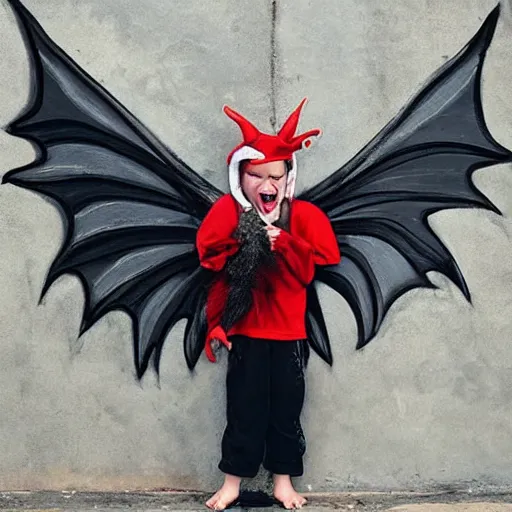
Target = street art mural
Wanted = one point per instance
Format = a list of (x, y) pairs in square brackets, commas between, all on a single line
[(133, 207)]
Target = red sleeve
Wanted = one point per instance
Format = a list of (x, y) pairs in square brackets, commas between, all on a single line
[(215, 242), (313, 242)]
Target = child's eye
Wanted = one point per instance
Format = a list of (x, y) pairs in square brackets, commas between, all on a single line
[(276, 178)]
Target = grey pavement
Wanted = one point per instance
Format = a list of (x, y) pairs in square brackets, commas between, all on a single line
[(447, 501)]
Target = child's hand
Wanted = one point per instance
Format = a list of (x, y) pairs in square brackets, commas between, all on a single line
[(214, 339), (272, 233)]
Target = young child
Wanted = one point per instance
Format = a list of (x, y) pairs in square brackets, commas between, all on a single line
[(264, 246)]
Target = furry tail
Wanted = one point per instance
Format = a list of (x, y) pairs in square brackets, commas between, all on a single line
[(242, 268)]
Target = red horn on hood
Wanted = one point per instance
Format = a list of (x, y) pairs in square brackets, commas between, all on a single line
[(249, 131), (289, 128), (298, 141)]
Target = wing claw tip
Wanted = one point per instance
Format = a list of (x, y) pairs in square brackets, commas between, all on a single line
[(46, 286), (86, 324), (362, 341), (156, 365), (190, 363), (493, 208), (489, 25), (141, 366)]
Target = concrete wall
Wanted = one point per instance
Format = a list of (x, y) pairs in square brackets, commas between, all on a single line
[(426, 404)]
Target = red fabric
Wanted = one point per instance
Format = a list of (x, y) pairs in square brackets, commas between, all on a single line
[(217, 333), (278, 314), (215, 241), (274, 147)]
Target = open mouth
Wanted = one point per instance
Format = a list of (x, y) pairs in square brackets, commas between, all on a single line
[(268, 202)]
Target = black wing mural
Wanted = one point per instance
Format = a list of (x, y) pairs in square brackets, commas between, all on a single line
[(379, 202), (132, 207)]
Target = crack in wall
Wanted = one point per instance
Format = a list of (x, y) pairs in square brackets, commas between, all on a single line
[(273, 59)]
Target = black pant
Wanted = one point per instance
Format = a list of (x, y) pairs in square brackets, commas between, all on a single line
[(265, 394)]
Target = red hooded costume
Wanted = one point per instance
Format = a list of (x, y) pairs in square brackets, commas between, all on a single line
[(279, 310)]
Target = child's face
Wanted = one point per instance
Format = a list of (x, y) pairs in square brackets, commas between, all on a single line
[(264, 186)]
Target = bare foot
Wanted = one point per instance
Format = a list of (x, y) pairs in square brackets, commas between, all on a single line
[(286, 494), (226, 495)]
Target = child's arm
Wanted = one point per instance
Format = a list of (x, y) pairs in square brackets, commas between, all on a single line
[(315, 244), (215, 244), (215, 241)]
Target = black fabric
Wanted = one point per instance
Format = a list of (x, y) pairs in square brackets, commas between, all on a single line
[(265, 393), (254, 499)]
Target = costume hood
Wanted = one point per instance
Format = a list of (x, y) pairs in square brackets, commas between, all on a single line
[(259, 147)]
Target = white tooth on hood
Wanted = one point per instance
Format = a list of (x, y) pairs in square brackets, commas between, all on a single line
[(244, 153), (291, 179)]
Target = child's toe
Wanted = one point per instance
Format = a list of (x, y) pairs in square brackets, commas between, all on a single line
[(212, 502)]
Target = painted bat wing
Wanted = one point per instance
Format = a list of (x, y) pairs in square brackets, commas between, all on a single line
[(132, 206), (379, 202)]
